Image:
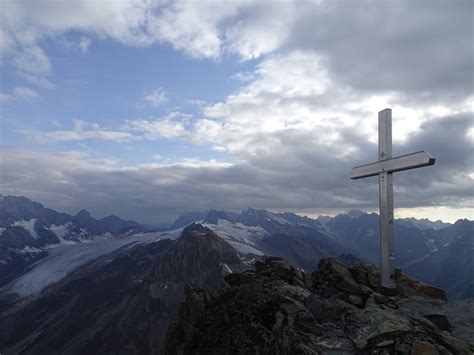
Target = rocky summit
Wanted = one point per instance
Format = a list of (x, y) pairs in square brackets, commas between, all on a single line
[(279, 309)]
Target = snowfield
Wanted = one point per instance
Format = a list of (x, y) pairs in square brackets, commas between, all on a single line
[(244, 239), (61, 231), (28, 225), (64, 259)]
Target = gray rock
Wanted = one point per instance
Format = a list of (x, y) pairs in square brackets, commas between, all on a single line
[(461, 317), (266, 312), (333, 275), (356, 301)]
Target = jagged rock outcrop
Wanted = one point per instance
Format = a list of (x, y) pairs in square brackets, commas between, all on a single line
[(278, 309)]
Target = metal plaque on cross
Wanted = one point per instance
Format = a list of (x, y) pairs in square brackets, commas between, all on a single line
[(384, 168)]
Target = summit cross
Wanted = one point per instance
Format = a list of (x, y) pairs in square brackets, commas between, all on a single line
[(384, 168)]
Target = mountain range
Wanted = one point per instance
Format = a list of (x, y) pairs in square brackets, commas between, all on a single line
[(75, 284), (437, 252), (28, 230)]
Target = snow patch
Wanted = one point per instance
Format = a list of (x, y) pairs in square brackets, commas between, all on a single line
[(28, 225), (29, 249), (244, 239), (61, 231), (279, 219), (226, 268)]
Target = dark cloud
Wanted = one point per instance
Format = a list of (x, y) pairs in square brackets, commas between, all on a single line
[(448, 182), (417, 47), (288, 175)]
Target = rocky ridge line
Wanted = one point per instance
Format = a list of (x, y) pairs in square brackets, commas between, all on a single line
[(278, 309)]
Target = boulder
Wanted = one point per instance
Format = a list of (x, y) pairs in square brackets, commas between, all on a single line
[(333, 277)]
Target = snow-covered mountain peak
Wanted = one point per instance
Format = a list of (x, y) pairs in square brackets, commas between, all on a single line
[(29, 225), (244, 239)]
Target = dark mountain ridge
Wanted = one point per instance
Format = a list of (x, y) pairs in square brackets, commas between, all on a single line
[(451, 264), (14, 208)]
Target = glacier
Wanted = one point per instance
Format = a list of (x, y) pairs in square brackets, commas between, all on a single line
[(64, 259)]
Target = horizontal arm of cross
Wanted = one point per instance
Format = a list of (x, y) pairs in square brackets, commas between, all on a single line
[(403, 162)]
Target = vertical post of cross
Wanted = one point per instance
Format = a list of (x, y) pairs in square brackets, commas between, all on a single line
[(387, 252), (384, 169)]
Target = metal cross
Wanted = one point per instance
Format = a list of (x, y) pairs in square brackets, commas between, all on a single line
[(385, 168)]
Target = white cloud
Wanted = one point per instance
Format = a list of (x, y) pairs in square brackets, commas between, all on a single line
[(72, 136), (171, 126), (123, 20), (177, 125), (79, 133), (32, 63), (197, 102), (40, 81), (204, 29), (266, 26), (294, 92), (6, 43), (78, 125), (218, 148), (244, 76), (25, 93), (5, 97), (157, 97), (20, 93), (33, 60), (193, 26), (84, 44), (368, 52)]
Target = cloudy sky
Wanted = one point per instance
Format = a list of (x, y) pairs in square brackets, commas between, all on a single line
[(147, 108)]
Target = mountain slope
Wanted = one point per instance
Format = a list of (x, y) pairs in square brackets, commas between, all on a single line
[(451, 264), (361, 235), (301, 240), (120, 303), (28, 230), (442, 257)]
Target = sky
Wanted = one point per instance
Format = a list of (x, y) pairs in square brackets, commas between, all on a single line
[(147, 109)]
